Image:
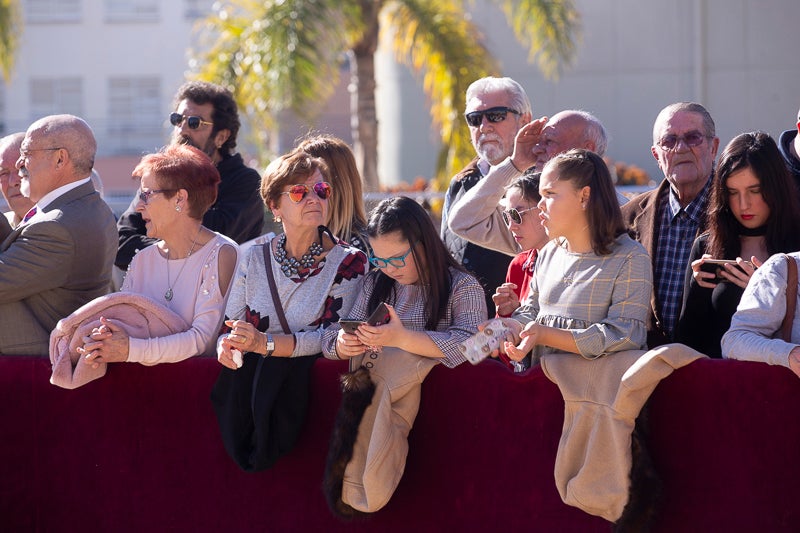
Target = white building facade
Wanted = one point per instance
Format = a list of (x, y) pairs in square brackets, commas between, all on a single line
[(117, 63)]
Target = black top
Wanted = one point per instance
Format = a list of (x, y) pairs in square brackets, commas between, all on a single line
[(238, 212), (706, 313)]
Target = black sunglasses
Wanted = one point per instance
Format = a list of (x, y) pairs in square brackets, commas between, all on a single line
[(493, 115), (176, 119)]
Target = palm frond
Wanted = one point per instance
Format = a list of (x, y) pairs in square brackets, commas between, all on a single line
[(10, 28), (437, 41), (549, 28), (277, 55)]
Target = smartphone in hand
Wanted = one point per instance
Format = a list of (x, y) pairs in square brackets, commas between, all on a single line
[(378, 317), (714, 265)]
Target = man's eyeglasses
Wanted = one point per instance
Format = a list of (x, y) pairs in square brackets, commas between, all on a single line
[(145, 196), (691, 139), (25, 153), (514, 215), (493, 115), (397, 262), (322, 189), (176, 119)]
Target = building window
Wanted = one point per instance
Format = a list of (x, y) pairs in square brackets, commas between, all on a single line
[(48, 11), (131, 10), (55, 96), (134, 115)]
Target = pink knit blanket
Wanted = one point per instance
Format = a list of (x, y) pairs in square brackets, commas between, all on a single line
[(138, 315)]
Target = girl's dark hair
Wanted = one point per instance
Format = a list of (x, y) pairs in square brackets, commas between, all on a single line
[(432, 260), (758, 152), (584, 168), (528, 185)]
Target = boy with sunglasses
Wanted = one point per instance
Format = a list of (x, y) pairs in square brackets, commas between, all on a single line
[(496, 109), (207, 118)]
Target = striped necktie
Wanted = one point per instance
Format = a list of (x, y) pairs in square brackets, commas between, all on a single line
[(29, 214)]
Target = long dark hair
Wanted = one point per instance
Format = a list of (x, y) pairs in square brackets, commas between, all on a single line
[(758, 152), (432, 260), (584, 168)]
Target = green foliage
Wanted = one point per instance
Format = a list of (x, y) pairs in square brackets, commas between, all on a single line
[(10, 28), (286, 54)]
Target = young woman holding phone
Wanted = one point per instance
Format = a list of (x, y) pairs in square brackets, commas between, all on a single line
[(754, 212)]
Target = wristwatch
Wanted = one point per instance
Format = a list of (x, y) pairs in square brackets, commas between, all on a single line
[(270, 345)]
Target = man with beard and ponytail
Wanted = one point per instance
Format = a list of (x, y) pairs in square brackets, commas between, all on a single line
[(495, 111), (206, 117)]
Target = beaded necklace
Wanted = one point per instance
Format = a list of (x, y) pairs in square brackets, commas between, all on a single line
[(291, 266)]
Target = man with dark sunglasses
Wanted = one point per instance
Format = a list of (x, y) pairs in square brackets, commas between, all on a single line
[(207, 118), (667, 219), (478, 216), (495, 111)]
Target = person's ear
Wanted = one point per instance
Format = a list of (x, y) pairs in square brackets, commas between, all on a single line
[(221, 137)]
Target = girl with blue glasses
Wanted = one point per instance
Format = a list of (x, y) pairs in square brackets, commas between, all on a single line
[(434, 306)]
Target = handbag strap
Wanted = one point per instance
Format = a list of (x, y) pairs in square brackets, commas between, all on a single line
[(791, 299), (273, 289)]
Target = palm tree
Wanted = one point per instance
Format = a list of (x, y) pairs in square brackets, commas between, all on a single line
[(9, 29), (286, 54)]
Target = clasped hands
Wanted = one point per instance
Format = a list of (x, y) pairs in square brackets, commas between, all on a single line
[(107, 343)]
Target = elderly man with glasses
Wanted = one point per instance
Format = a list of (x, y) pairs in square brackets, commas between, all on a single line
[(478, 216), (60, 255), (496, 110), (667, 219), (207, 118)]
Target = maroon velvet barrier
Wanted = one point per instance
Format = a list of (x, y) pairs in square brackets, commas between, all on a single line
[(139, 450), (725, 436)]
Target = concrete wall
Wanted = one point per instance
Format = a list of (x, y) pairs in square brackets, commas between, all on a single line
[(636, 56)]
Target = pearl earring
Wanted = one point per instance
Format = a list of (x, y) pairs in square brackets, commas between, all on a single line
[(278, 218), (178, 208)]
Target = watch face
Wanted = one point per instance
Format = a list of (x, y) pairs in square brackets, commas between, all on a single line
[(270, 343)]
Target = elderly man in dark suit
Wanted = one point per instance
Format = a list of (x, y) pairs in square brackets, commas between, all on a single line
[(60, 256)]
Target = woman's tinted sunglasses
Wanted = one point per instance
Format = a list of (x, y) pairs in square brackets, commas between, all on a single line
[(296, 193)]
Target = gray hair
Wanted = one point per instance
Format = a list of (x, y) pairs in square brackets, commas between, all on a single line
[(518, 96), (12, 139), (688, 107), (73, 134), (593, 131)]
